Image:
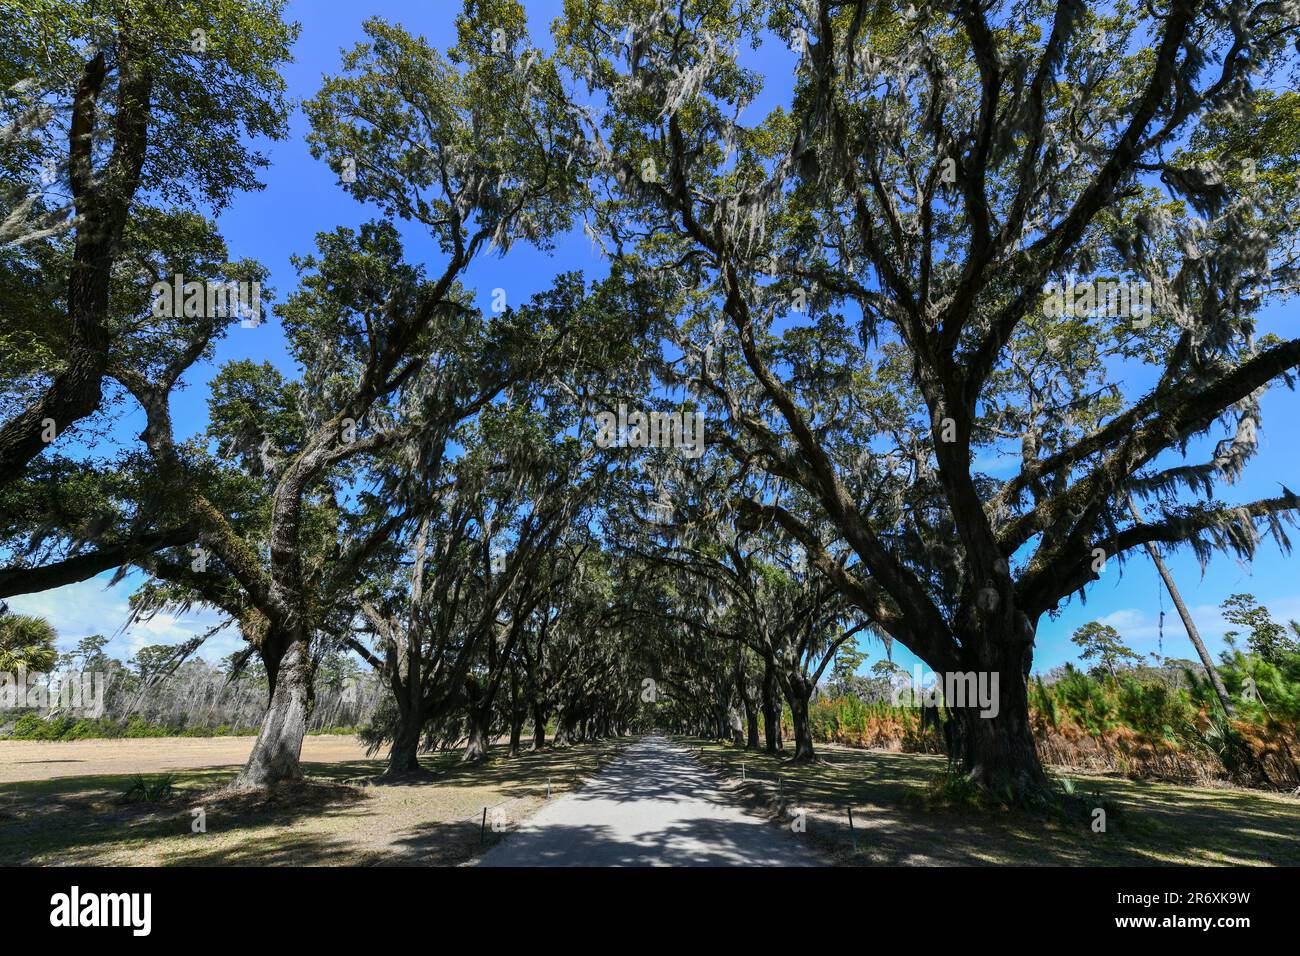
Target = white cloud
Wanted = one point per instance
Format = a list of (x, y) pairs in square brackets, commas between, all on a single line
[(89, 607), (1125, 620), (1140, 627)]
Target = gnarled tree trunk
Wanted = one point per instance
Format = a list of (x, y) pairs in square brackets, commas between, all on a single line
[(476, 747), (563, 730), (771, 710), (994, 746), (278, 746), (404, 759), (516, 732), (539, 727), (798, 695)]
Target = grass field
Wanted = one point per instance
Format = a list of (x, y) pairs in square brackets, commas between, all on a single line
[(63, 804), (37, 760), (897, 821), (82, 819)]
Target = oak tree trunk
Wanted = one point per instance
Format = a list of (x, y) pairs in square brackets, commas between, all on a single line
[(996, 750), (563, 734), (771, 710), (476, 748), (539, 727), (403, 759), (278, 746), (803, 742)]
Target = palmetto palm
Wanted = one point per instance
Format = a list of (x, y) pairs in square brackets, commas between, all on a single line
[(26, 641)]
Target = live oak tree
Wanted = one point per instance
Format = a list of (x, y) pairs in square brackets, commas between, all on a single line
[(497, 501), (527, 610), (117, 116), (442, 645), (689, 670), (909, 301), (740, 588), (477, 155), (484, 560), (597, 679), (575, 665), (749, 585), (99, 505), (899, 220), (318, 505), (114, 113), (803, 626)]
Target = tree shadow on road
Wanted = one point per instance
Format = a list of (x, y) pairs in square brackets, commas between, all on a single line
[(697, 842)]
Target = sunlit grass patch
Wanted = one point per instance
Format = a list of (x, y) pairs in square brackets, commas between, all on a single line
[(332, 817)]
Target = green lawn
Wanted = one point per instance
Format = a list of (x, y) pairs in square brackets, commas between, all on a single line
[(896, 823), (330, 820)]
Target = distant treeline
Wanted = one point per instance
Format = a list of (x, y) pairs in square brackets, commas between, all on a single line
[(156, 695)]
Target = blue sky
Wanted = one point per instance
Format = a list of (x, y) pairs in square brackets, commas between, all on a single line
[(302, 198)]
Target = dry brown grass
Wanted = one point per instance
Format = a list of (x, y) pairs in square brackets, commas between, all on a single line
[(1157, 824), (41, 760), (327, 820)]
